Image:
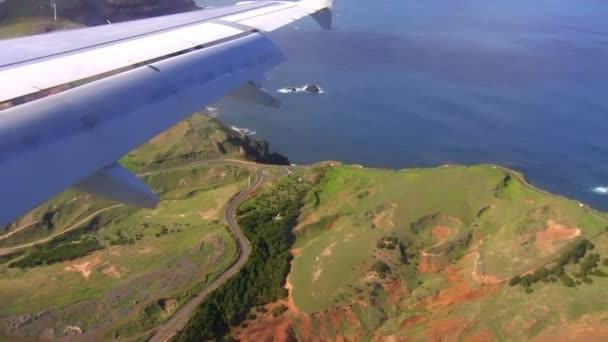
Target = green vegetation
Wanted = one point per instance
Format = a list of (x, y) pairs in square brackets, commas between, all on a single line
[(10, 256), (279, 310), (576, 255), (406, 245), (149, 257), (47, 256), (381, 268), (267, 220), (200, 137), (22, 17)]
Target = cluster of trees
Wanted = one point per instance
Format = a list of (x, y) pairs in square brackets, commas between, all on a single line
[(46, 255), (267, 221), (392, 242), (10, 256), (381, 268), (388, 242), (587, 262)]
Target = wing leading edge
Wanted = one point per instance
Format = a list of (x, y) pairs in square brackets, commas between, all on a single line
[(143, 83)]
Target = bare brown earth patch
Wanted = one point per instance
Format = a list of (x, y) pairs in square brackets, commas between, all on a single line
[(111, 271), (429, 263), (484, 278), (218, 248), (209, 214), (316, 269), (460, 293), (85, 267), (413, 321), (446, 330), (296, 251), (311, 218), (441, 233), (383, 217), (480, 336), (555, 232)]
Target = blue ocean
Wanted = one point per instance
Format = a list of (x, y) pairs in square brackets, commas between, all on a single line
[(413, 83)]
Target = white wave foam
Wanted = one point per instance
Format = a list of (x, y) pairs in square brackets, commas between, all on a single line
[(243, 131), (212, 111), (302, 89), (602, 190)]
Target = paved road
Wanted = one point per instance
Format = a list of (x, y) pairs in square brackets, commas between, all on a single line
[(180, 318)]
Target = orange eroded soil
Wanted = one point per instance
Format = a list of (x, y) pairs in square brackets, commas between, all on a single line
[(311, 218), (85, 267), (446, 330), (441, 233), (429, 263), (554, 232), (480, 336)]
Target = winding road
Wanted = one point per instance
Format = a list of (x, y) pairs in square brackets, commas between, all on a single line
[(180, 318), (178, 321)]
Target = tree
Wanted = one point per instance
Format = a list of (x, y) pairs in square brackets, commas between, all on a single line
[(515, 280), (566, 280), (381, 267)]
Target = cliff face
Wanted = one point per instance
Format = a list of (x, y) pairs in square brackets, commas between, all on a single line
[(200, 137)]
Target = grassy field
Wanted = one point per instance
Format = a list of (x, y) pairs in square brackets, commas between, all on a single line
[(427, 253), (151, 261), (199, 137)]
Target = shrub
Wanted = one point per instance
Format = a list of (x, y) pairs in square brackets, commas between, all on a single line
[(278, 310), (381, 267), (566, 280), (515, 280)]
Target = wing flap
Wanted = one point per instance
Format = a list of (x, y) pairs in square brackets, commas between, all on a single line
[(117, 183), (33, 77), (73, 134)]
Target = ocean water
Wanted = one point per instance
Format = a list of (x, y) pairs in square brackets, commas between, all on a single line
[(414, 83)]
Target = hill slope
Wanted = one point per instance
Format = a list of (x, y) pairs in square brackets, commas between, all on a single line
[(197, 138), (23, 17), (441, 254)]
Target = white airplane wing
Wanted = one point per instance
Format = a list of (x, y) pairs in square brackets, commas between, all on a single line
[(76, 101)]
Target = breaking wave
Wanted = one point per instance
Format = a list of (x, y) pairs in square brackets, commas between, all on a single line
[(302, 89), (212, 111), (602, 190), (243, 131)]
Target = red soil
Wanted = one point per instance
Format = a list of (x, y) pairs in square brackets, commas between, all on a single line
[(441, 233), (428, 264), (412, 321), (480, 336), (554, 232), (446, 330), (460, 293)]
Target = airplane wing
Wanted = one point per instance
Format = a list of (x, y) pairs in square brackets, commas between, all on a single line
[(77, 101)]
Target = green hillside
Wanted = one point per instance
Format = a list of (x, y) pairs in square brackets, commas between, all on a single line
[(119, 271), (441, 254), (24, 17), (200, 137)]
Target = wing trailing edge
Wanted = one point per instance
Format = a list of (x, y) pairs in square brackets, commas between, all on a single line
[(124, 84), (119, 184)]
